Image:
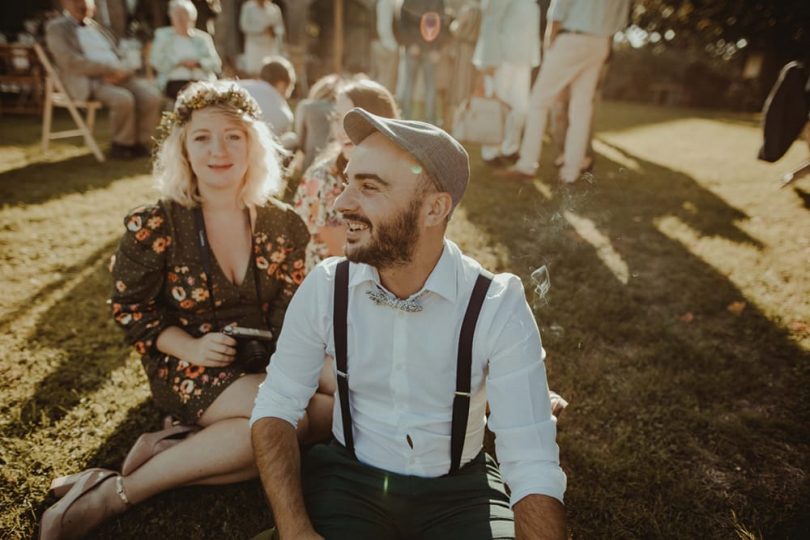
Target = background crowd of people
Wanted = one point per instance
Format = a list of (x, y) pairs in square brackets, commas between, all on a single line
[(433, 56)]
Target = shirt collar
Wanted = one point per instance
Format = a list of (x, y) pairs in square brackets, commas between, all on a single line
[(442, 279), (77, 22)]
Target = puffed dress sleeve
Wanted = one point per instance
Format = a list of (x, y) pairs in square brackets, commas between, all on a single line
[(138, 271)]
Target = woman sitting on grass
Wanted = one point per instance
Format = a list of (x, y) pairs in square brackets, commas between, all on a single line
[(216, 251)]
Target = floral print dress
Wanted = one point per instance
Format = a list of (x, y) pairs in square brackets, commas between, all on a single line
[(159, 281), (315, 203)]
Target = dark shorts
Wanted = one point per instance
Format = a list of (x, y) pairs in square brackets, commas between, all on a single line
[(347, 499)]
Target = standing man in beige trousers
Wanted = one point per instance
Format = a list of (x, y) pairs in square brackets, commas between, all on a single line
[(578, 40)]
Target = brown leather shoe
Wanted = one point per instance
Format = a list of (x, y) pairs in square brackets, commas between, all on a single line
[(82, 509), (514, 174)]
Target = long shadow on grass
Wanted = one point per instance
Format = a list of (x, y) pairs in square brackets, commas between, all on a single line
[(46, 181), (804, 196), (81, 326), (67, 273), (682, 412)]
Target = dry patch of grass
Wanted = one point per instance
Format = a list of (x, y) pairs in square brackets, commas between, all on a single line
[(677, 326)]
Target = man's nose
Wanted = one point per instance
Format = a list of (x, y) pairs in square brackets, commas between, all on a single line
[(345, 202)]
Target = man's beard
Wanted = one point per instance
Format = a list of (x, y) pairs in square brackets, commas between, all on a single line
[(392, 243)]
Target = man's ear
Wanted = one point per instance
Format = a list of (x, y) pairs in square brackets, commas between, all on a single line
[(438, 206)]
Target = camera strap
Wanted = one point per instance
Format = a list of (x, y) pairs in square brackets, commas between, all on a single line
[(205, 257)]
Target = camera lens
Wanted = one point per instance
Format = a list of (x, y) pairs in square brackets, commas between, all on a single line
[(253, 355)]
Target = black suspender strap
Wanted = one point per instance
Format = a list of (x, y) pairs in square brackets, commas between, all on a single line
[(461, 401), (339, 321)]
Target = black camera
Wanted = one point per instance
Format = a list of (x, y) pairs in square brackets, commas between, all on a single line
[(253, 347)]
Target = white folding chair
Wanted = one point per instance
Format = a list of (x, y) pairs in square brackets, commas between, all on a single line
[(57, 96)]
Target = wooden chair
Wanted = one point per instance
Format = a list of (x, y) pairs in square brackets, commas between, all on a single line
[(57, 96), (20, 79)]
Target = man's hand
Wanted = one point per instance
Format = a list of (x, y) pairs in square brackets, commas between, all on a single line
[(117, 76), (552, 31), (190, 64), (275, 447), (540, 517)]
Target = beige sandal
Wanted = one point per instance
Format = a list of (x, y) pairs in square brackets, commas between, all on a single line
[(54, 524)]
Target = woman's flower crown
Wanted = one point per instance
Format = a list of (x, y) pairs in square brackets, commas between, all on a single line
[(201, 95)]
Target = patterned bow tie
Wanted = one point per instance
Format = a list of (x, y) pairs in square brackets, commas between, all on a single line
[(381, 297)]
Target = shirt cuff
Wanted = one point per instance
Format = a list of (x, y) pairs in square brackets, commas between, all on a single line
[(270, 402), (534, 479)]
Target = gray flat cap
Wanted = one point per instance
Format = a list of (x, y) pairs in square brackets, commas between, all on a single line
[(443, 157)]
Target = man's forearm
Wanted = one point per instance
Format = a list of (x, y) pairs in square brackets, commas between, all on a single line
[(277, 457), (539, 517)]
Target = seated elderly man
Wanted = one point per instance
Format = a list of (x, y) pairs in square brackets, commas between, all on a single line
[(271, 91), (422, 336), (90, 66), (182, 54)]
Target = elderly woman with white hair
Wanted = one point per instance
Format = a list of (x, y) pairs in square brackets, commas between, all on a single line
[(181, 53), (202, 280)]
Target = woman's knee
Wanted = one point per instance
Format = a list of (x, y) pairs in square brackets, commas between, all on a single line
[(326, 382), (235, 401)]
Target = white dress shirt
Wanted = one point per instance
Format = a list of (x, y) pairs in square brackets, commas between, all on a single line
[(402, 374), (95, 45), (510, 33), (385, 24)]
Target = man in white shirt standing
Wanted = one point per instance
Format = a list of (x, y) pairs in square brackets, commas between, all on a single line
[(508, 48), (415, 370), (385, 49), (90, 66), (577, 42)]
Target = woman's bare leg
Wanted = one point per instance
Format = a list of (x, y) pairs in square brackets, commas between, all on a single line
[(221, 452)]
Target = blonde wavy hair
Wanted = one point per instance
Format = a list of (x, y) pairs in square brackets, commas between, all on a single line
[(171, 168)]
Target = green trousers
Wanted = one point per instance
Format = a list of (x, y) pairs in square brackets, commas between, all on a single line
[(347, 499)]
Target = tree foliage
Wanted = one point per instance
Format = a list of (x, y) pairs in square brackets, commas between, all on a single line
[(783, 25)]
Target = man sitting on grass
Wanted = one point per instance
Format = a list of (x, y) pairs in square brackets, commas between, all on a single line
[(422, 337)]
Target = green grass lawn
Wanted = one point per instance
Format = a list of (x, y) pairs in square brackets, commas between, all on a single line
[(677, 325)]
